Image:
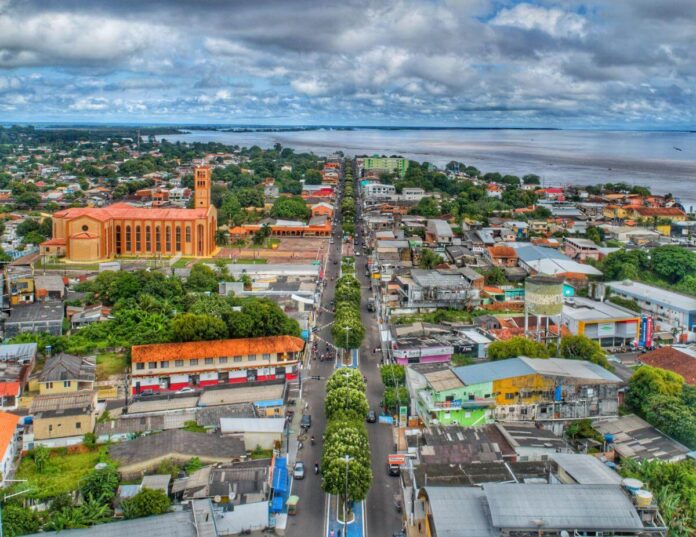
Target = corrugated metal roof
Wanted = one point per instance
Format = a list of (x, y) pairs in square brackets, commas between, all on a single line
[(252, 425), (459, 512), (586, 469), (490, 371), (570, 507), (576, 369)]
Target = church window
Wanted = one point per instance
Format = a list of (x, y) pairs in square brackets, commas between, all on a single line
[(85, 228), (128, 238), (118, 240), (188, 233), (168, 238), (138, 243), (178, 239), (148, 239), (158, 239)]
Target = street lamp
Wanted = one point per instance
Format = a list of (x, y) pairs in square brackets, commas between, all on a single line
[(347, 459)]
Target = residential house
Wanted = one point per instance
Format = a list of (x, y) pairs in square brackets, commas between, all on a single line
[(46, 317), (532, 443), (65, 373), (678, 359), (16, 364), (20, 284), (171, 366), (264, 432), (373, 191), (673, 214), (581, 249), (9, 395), (8, 444), (438, 232), (502, 256), (61, 420), (49, 286), (444, 288)]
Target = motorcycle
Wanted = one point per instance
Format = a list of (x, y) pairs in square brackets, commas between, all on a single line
[(316, 469)]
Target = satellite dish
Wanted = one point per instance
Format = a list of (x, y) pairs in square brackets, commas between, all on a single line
[(217, 499)]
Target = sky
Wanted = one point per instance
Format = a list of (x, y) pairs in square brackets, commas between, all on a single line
[(467, 63)]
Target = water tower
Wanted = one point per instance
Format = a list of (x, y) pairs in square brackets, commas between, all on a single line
[(543, 297)]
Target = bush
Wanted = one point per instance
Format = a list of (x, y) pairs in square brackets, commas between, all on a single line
[(146, 503)]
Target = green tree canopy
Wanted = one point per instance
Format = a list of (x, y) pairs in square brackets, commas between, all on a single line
[(146, 503), (290, 209), (393, 375), (345, 377), (673, 262), (650, 381), (198, 327), (346, 402), (517, 346), (583, 348), (429, 259), (202, 278)]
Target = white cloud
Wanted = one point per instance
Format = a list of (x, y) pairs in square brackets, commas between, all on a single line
[(553, 21)]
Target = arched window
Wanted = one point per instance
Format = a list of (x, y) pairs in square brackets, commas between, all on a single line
[(138, 242), (158, 239), (168, 239), (188, 233), (128, 239), (148, 239), (177, 239), (118, 240)]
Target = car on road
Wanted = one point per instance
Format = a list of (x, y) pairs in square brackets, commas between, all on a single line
[(371, 416), (614, 359), (145, 393), (298, 472), (188, 389), (306, 421), (357, 254)]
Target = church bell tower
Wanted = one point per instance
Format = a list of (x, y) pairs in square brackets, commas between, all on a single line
[(201, 184)]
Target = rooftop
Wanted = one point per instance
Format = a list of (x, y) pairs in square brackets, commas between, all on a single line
[(680, 360), (122, 211), (657, 295), (586, 469), (252, 425), (522, 435), (68, 367), (65, 404), (37, 312), (586, 309)]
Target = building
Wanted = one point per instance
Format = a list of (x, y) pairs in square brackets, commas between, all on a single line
[(532, 443), (137, 457), (438, 288), (383, 164), (502, 256), (522, 509), (669, 309), (49, 286), (46, 317), (581, 249), (378, 190), (608, 324), (674, 214), (61, 420), (438, 232), (515, 390), (678, 359), (426, 343), (65, 373), (264, 432), (8, 444), (172, 366), (91, 234), (9, 395), (16, 363)]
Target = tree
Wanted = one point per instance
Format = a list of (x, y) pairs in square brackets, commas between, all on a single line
[(193, 465), (346, 402), (517, 346), (202, 278), (649, 381), (531, 179), (594, 234), (346, 377), (583, 348), (495, 276), (393, 375), (192, 327), (146, 503), (429, 259), (290, 208), (17, 520), (673, 262), (349, 294), (100, 484), (40, 454), (673, 417), (313, 177), (427, 207), (355, 479), (395, 397), (261, 234)]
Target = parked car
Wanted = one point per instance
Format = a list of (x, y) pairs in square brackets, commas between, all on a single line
[(298, 471), (188, 389), (371, 416), (306, 421), (145, 393)]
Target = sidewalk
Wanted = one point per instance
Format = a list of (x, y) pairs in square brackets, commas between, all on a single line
[(356, 528)]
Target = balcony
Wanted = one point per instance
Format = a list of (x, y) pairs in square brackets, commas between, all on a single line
[(457, 404)]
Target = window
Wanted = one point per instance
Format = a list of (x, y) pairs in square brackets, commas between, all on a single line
[(158, 239), (266, 356), (148, 239), (140, 365), (78, 425), (449, 398), (152, 365), (208, 361), (118, 239), (237, 359), (168, 238), (509, 396), (85, 228), (164, 364), (251, 357), (177, 240), (49, 385), (138, 244), (193, 362), (188, 233), (50, 428), (223, 360), (178, 363), (128, 238), (66, 384)]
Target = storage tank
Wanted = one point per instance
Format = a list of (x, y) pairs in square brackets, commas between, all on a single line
[(644, 498), (632, 485), (543, 295)]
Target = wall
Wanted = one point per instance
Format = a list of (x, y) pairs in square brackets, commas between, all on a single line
[(63, 426), (512, 387), (57, 387)]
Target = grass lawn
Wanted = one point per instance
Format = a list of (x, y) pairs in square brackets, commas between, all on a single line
[(251, 261), (70, 266), (110, 363), (182, 262), (63, 472), (261, 454)]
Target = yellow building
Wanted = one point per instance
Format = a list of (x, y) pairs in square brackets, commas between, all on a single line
[(65, 373), (64, 419), (94, 234)]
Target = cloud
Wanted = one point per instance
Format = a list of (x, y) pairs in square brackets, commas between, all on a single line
[(554, 21)]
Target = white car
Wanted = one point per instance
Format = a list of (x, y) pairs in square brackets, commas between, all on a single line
[(357, 254), (186, 390)]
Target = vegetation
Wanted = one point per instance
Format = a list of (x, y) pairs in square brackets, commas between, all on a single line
[(348, 331), (393, 375), (147, 502), (571, 347)]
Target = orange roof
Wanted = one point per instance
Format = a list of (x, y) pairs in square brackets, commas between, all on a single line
[(8, 424), (54, 242), (659, 211), (673, 360), (502, 251), (9, 389), (493, 290), (216, 348), (123, 211)]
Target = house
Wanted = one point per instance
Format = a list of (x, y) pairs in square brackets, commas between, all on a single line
[(16, 363), (264, 432), (46, 317), (65, 373), (171, 366), (20, 284), (8, 444), (608, 324), (323, 209), (438, 232), (574, 468), (49, 286), (127, 427), (669, 310), (9, 395), (515, 390), (532, 443), (673, 214), (378, 191), (435, 288), (144, 454), (502, 256), (581, 249), (679, 359), (62, 419)]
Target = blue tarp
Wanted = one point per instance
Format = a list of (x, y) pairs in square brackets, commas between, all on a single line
[(280, 475), (269, 403), (277, 504)]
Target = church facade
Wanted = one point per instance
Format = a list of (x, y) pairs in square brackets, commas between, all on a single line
[(96, 234)]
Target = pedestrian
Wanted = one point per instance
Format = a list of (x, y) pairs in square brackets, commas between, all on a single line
[(332, 533)]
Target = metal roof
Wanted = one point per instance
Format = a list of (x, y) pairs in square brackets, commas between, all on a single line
[(586, 469), (569, 507), (576, 369), (530, 252), (654, 294), (585, 309), (17, 352), (440, 227), (490, 371), (443, 380), (252, 425), (459, 512)]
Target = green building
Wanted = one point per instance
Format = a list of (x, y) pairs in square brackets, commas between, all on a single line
[(385, 164)]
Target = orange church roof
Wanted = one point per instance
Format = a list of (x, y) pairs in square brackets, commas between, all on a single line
[(216, 348), (123, 211)]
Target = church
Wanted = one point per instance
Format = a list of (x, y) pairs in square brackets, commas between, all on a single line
[(96, 234)]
